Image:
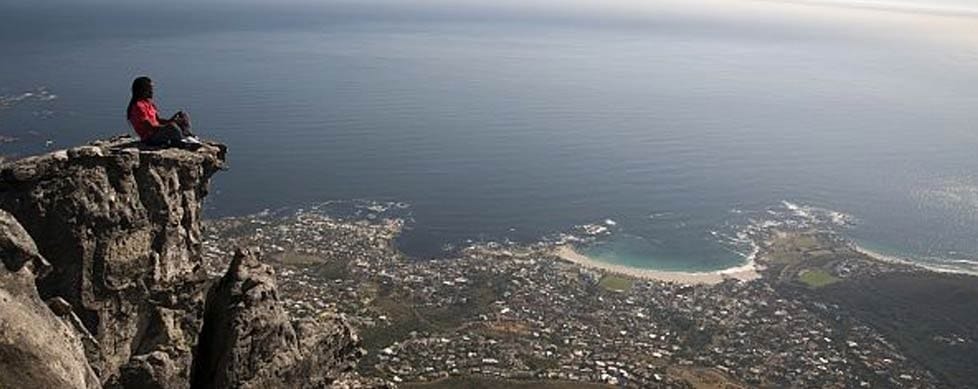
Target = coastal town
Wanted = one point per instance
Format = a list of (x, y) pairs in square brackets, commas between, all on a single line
[(522, 312)]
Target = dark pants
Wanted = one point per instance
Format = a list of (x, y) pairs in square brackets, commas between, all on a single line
[(167, 135), (171, 134)]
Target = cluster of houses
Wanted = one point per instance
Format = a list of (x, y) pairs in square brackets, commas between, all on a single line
[(519, 312)]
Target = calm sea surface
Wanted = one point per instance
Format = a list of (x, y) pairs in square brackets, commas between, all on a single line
[(670, 125)]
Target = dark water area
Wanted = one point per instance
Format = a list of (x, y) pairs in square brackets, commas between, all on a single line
[(672, 124)]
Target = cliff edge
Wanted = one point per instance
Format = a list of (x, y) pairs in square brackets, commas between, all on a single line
[(118, 258)]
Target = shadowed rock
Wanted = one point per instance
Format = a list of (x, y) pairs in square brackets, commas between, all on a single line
[(37, 349), (249, 340)]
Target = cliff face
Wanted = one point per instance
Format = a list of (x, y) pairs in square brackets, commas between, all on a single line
[(120, 226), (31, 337)]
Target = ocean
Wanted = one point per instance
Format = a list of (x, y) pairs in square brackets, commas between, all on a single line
[(672, 125)]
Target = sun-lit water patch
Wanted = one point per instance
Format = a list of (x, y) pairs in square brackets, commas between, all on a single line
[(958, 195)]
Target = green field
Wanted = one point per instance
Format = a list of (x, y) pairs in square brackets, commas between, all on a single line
[(791, 249), (817, 278), (490, 383), (295, 258), (806, 259), (616, 283)]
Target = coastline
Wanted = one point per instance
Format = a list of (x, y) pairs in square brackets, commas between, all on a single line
[(877, 256), (745, 272)]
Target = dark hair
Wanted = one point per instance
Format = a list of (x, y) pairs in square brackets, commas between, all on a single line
[(140, 88)]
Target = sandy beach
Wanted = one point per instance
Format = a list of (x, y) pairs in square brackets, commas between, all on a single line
[(745, 272)]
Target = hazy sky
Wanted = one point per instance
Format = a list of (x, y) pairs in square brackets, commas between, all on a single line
[(20, 20), (581, 5)]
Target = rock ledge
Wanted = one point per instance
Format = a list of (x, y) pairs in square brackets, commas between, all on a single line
[(118, 257)]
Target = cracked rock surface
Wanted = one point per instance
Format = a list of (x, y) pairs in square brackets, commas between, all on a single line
[(120, 225), (118, 257)]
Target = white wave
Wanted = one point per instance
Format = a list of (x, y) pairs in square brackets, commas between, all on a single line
[(801, 215), (594, 229), (797, 210), (37, 94), (839, 218), (377, 208), (963, 261), (656, 215)]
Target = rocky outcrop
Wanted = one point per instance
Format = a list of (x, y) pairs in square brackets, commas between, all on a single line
[(249, 340), (37, 349), (120, 225)]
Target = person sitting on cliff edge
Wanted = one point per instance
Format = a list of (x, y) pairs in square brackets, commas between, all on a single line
[(151, 128)]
